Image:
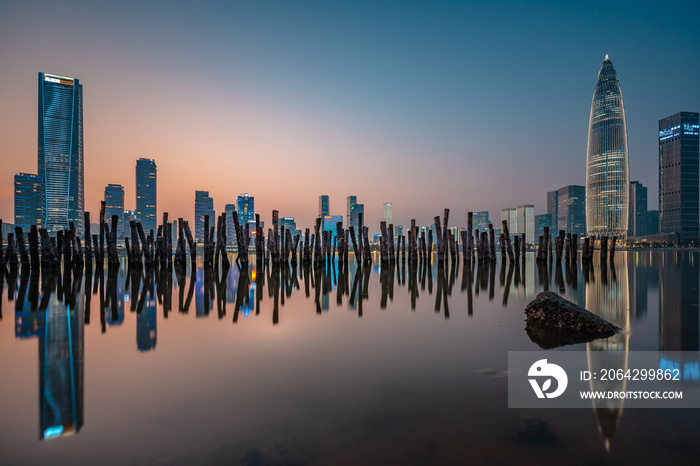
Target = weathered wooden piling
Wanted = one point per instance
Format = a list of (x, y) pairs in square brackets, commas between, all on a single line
[(469, 244), (367, 255), (34, 245), (492, 243), (21, 246), (574, 246), (612, 249), (516, 247), (603, 249), (11, 251), (102, 234), (191, 244), (506, 233), (112, 252), (88, 237), (383, 245)]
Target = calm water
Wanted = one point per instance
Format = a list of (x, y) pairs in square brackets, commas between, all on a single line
[(321, 366)]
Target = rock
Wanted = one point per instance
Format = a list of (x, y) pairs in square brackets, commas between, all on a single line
[(553, 321)]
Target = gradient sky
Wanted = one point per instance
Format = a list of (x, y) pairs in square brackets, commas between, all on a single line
[(467, 105)]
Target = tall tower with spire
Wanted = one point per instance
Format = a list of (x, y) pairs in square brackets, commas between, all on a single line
[(607, 162)]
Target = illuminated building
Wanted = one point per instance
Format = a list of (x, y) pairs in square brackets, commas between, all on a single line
[(29, 201), (114, 205), (203, 205), (638, 210), (323, 205), (607, 163), (146, 198), (678, 175), (351, 202), (388, 213), (60, 150)]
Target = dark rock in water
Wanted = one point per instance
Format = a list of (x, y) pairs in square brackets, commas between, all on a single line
[(553, 321)]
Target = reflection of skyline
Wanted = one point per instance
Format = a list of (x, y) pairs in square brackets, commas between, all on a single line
[(608, 297), (61, 365), (679, 322)]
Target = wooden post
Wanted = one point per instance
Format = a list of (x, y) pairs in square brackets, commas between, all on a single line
[(11, 252), (102, 233), (509, 248), (34, 245), (502, 240), (612, 249), (88, 237), (317, 246), (574, 246), (112, 249), (567, 248), (190, 242), (307, 250), (392, 256), (469, 245), (384, 243), (367, 254), (21, 246), (439, 237), (492, 243)]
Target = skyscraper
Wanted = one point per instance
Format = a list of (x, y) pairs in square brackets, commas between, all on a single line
[(388, 213), (229, 209), (638, 210), (29, 201), (607, 163), (146, 200), (571, 210), (246, 209), (678, 175), (114, 205), (350, 204), (526, 222), (60, 150), (323, 205), (203, 205)]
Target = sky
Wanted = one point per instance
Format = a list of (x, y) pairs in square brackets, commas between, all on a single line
[(428, 105)]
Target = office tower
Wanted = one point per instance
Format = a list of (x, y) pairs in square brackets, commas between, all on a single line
[(246, 210), (351, 202), (481, 220), (291, 225), (388, 213), (114, 205), (678, 175), (60, 150), (355, 216), (541, 221), (203, 205), (146, 199), (229, 209), (572, 209), (29, 201), (607, 163), (652, 222), (553, 209), (638, 210), (323, 205), (330, 221), (526, 222), (510, 216)]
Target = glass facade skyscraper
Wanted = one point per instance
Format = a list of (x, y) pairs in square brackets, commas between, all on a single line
[(388, 213), (146, 199), (246, 210), (678, 175), (607, 162), (29, 201), (114, 205), (60, 150), (638, 210), (323, 205), (203, 205)]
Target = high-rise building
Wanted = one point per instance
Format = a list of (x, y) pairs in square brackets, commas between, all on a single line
[(638, 210), (526, 222), (114, 205), (246, 209), (323, 205), (572, 209), (481, 220), (607, 163), (541, 221), (229, 209), (60, 150), (291, 225), (330, 223), (349, 205), (203, 205), (678, 175), (510, 216), (355, 216), (29, 201), (388, 213), (652, 222), (553, 209), (146, 199)]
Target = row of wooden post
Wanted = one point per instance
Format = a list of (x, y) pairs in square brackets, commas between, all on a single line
[(281, 246)]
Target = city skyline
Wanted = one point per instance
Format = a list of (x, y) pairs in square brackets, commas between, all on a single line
[(400, 96)]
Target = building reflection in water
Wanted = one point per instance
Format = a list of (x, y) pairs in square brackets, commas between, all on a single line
[(679, 322), (608, 297), (61, 358)]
